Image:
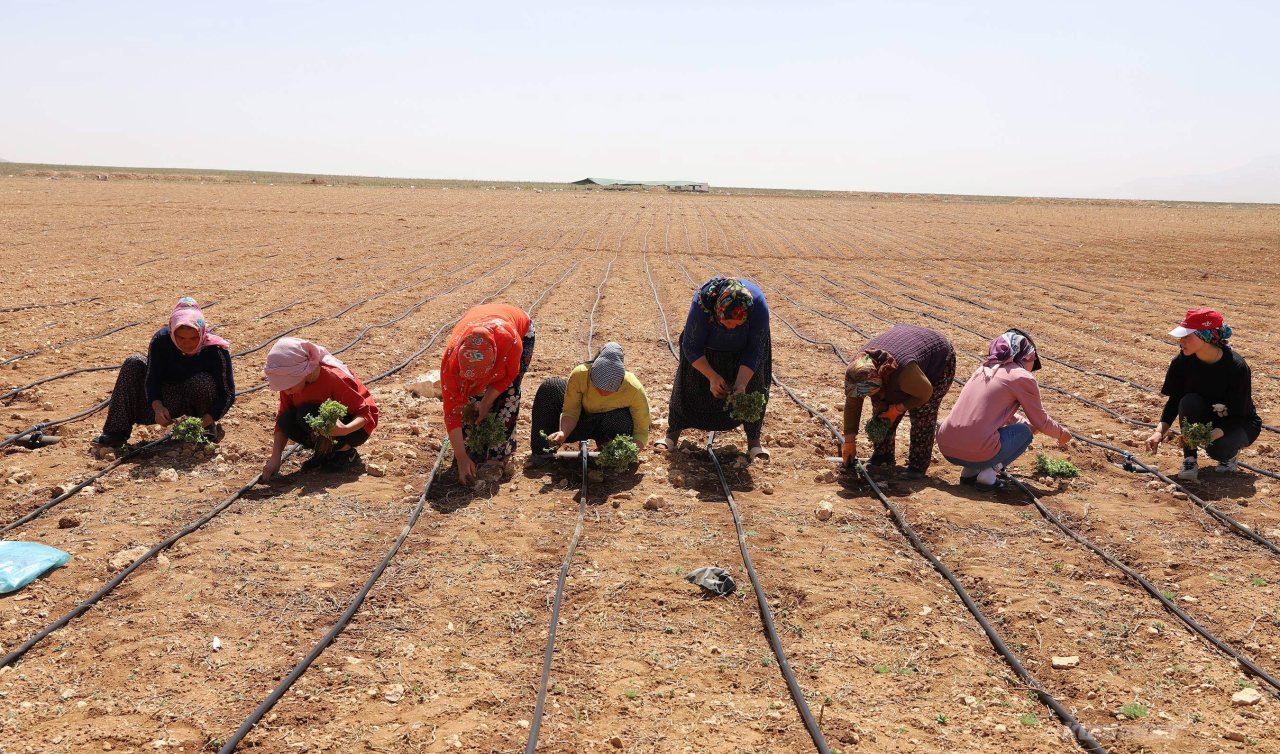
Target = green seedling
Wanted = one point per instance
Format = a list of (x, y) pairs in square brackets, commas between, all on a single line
[(1029, 720), (1195, 435), (331, 412), (191, 431), (486, 434), (1055, 467), (547, 438), (619, 453), (877, 430), (747, 408), (1133, 711)]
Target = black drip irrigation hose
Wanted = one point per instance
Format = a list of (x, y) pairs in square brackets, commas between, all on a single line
[(278, 693), (766, 615), (93, 599), (1082, 735), (762, 600), (1148, 587), (536, 723), (7, 309), (133, 452), (287, 683), (65, 343)]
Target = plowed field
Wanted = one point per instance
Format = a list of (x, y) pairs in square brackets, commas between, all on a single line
[(446, 653)]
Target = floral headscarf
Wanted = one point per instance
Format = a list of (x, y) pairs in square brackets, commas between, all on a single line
[(868, 373), (477, 354), (186, 313), (1013, 347), (1217, 336), (724, 298)]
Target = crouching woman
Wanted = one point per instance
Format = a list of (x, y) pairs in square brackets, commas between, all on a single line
[(600, 401), (306, 375)]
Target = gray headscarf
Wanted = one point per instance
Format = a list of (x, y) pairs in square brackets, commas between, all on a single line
[(606, 370)]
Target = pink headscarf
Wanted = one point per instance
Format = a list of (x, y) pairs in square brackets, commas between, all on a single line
[(186, 313), (292, 359)]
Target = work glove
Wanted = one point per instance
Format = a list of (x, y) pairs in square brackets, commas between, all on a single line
[(893, 412)]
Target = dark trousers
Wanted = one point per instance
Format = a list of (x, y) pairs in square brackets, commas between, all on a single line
[(129, 405), (548, 404), (293, 423), (1193, 408)]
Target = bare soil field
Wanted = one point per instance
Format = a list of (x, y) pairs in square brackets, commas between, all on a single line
[(446, 653)]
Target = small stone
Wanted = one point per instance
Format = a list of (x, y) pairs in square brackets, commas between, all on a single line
[(1235, 735), (1064, 663), (167, 475), (522, 723), (395, 692), (825, 510), (1246, 697), (595, 476), (374, 469), (616, 503), (125, 557), (1000, 728), (766, 488), (654, 502), (68, 522), (615, 742), (1188, 599)]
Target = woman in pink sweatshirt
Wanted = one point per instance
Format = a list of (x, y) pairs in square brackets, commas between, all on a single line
[(997, 413)]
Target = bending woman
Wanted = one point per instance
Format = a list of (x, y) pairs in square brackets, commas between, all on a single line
[(484, 363), (306, 375), (725, 349), (186, 372), (599, 401), (906, 369), (1208, 382), (997, 413)]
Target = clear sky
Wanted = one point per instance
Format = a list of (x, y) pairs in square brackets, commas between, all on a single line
[(1104, 99)]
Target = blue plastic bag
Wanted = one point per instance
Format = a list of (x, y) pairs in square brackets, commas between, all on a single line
[(22, 563)]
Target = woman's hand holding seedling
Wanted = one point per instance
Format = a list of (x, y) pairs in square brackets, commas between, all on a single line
[(1064, 439), (555, 438), (163, 418)]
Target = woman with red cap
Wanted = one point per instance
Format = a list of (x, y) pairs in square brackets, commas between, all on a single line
[(1208, 382), (484, 363)]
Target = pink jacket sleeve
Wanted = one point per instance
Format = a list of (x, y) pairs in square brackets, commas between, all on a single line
[(1027, 391)]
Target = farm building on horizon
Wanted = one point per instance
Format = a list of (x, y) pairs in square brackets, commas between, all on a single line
[(623, 184)]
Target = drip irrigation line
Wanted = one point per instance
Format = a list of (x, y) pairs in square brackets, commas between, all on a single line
[(289, 680), (65, 343), (26, 307), (115, 581), (1082, 735), (536, 723), (1239, 528), (766, 615), (283, 687), (1148, 587), (762, 600)]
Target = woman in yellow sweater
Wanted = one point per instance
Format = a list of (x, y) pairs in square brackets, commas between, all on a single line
[(599, 401)]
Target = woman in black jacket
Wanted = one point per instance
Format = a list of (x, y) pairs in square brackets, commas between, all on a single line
[(1208, 383)]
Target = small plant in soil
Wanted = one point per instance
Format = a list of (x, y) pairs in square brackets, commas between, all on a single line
[(329, 414), (486, 434), (619, 453), (877, 430), (1196, 435), (747, 408), (1029, 720), (1133, 711), (191, 431), (1058, 468)]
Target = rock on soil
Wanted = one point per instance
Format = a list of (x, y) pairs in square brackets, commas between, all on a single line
[(654, 502), (125, 557), (425, 385), (68, 522), (1064, 663), (167, 475), (1246, 697), (766, 488), (825, 510)]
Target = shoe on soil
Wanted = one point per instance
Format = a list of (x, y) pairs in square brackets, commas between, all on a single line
[(316, 461), (1190, 470), (915, 474), (214, 433), (668, 442), (758, 452), (341, 460), (1229, 466), (880, 460), (105, 440)]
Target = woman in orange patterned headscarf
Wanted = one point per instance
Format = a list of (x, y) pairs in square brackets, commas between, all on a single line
[(484, 362)]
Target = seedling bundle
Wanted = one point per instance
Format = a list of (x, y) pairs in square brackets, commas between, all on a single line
[(747, 408), (191, 431), (331, 412), (1196, 435), (619, 453), (486, 434), (877, 430)]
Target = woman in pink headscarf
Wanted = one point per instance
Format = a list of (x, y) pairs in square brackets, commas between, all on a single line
[(306, 375), (186, 372)]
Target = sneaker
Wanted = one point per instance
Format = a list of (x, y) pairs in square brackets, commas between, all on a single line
[(1229, 466), (668, 442), (214, 433), (341, 460), (1190, 470), (758, 452), (914, 474), (314, 462)]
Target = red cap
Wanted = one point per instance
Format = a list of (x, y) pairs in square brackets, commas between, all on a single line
[(1198, 319)]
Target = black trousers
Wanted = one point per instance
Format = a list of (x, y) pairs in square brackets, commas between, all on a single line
[(293, 423), (1193, 408), (129, 404), (548, 404)]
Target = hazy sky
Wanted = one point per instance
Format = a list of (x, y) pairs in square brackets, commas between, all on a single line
[(1109, 99)]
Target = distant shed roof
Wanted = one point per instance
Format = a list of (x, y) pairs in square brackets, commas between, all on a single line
[(618, 182)]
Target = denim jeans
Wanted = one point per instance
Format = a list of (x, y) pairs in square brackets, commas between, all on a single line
[(1014, 441), (1194, 408)]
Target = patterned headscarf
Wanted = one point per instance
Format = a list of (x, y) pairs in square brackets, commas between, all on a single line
[(724, 298), (477, 354), (186, 313), (1011, 347), (868, 373), (1216, 337)]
